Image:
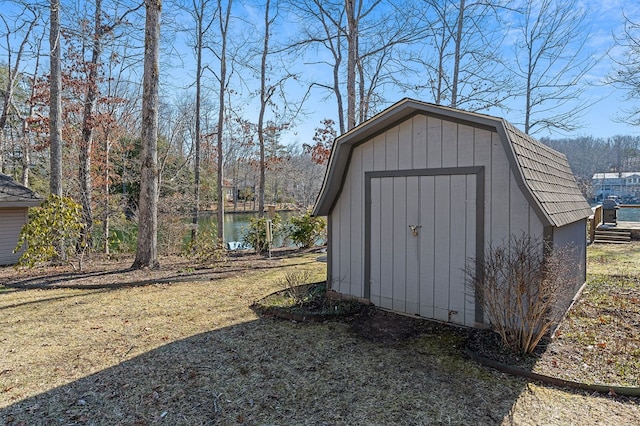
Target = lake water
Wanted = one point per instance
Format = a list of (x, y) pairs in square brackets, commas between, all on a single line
[(236, 224), (626, 214)]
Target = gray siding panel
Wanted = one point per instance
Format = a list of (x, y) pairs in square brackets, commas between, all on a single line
[(427, 246), (386, 248), (449, 144), (499, 188), (434, 142), (412, 259), (392, 147), (375, 252), (457, 250), (443, 205), (405, 149), (399, 241), (419, 142), (356, 225), (11, 222), (441, 236)]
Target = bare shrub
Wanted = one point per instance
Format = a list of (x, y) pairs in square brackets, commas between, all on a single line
[(521, 286), (293, 282)]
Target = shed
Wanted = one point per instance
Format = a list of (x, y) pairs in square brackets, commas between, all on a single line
[(15, 200), (419, 189)]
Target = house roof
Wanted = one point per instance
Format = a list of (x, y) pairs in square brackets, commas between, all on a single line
[(542, 173), (12, 194), (614, 175)]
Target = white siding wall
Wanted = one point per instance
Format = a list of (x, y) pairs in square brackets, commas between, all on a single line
[(11, 221), (417, 143)]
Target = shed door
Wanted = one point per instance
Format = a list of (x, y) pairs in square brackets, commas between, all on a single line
[(422, 230)]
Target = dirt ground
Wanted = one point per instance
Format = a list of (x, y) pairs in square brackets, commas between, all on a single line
[(180, 346)]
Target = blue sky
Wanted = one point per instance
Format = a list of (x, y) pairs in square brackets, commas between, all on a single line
[(605, 18)]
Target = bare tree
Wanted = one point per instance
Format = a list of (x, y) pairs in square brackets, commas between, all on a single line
[(23, 24), (342, 28), (461, 55), (265, 95), (204, 18), (101, 30), (55, 100), (552, 63), (626, 72), (224, 18), (147, 250)]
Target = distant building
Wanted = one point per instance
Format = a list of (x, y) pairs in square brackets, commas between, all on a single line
[(625, 185), (15, 201)]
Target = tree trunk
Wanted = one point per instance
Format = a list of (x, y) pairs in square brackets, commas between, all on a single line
[(224, 26), (90, 102), (147, 250), (55, 102), (456, 58), (263, 107), (352, 58), (107, 188), (196, 164)]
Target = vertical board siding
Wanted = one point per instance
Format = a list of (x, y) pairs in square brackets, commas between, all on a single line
[(336, 284), (423, 274), (482, 154), (458, 239), (11, 222), (356, 235), (405, 149), (344, 269), (399, 241), (466, 137), (443, 241), (412, 250), (375, 275), (449, 144), (427, 245), (498, 185), (419, 142), (434, 142), (519, 210), (392, 149), (470, 246), (379, 154), (386, 249)]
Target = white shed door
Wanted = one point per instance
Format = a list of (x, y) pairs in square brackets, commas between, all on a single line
[(422, 231)]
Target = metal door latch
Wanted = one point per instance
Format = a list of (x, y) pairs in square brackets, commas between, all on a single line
[(414, 229)]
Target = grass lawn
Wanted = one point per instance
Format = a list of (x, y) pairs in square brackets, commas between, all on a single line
[(183, 348)]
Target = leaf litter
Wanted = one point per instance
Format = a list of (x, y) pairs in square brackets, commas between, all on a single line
[(189, 352)]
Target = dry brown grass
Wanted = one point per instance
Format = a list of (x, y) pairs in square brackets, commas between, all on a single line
[(192, 352)]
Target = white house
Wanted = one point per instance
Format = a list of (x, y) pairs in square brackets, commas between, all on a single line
[(621, 184)]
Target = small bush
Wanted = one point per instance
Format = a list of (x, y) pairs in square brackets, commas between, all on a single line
[(256, 234), (521, 290), (52, 233), (293, 283), (205, 247), (306, 230)]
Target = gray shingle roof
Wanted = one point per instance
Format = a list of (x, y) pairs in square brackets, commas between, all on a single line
[(12, 194), (548, 175), (543, 173)]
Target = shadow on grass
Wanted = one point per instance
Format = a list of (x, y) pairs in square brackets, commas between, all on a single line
[(277, 372), (127, 277)]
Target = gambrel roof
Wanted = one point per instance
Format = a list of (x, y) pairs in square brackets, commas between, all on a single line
[(542, 173), (12, 194), (548, 176)]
